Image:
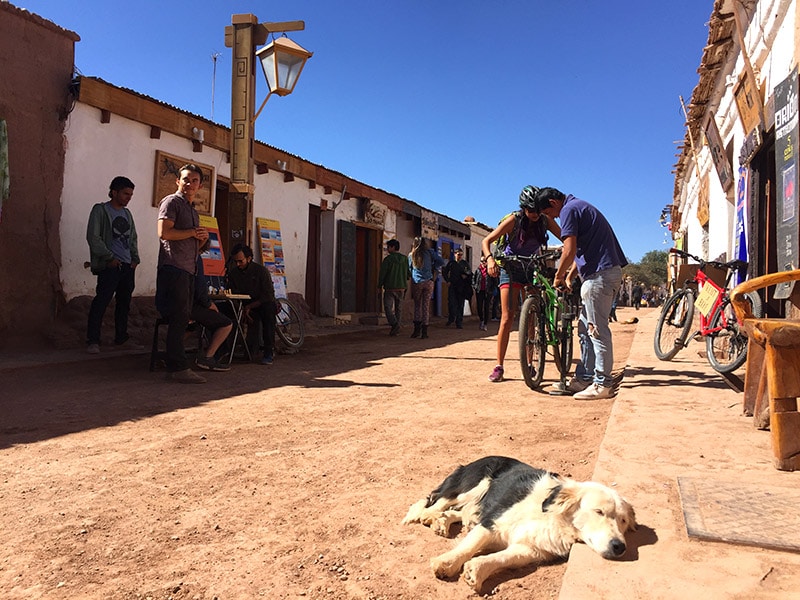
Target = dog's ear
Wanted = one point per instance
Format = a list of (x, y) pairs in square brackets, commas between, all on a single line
[(551, 498), (562, 498), (630, 515)]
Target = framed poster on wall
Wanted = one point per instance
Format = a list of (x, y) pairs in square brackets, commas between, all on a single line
[(166, 174)]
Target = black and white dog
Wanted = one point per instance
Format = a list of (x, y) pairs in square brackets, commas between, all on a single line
[(517, 515)]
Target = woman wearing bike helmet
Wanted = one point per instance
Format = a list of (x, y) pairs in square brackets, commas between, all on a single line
[(522, 232)]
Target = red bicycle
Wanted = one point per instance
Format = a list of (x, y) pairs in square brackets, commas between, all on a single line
[(726, 344)]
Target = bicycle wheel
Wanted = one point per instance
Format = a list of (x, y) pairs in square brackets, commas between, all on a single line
[(289, 325), (727, 349), (673, 324), (564, 349), (532, 345)]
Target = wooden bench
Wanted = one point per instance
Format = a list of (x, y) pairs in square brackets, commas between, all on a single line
[(772, 374)]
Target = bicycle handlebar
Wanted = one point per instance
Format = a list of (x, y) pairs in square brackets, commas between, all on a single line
[(731, 265), (539, 258)]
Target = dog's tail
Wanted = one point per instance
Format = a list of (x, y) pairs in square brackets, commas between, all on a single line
[(414, 513)]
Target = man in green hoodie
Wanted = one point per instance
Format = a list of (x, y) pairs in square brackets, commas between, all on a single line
[(114, 252), (393, 278)]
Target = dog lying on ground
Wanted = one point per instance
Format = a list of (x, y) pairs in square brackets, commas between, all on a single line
[(517, 515)]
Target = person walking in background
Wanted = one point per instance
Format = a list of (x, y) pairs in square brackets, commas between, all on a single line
[(180, 241), (591, 244), (636, 295), (114, 255), (254, 280), (393, 278), (612, 316), (484, 285), (496, 309), (522, 232), (458, 274), (422, 261)]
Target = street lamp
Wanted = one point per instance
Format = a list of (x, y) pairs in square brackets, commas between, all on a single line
[(243, 35), (282, 61)]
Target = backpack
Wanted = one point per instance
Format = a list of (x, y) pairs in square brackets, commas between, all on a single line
[(500, 247)]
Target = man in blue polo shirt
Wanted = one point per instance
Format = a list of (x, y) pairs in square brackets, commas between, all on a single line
[(591, 246)]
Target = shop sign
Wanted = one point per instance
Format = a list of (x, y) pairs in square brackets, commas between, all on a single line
[(718, 154), (786, 139), (430, 225), (750, 146)]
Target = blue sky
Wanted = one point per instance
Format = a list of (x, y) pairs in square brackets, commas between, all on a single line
[(455, 105)]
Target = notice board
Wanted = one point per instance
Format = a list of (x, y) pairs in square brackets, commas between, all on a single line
[(213, 257), (271, 246)]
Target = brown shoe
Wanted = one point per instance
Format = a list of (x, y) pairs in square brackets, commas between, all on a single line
[(186, 376)]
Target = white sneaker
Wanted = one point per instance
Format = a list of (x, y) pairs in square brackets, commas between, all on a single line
[(573, 385), (595, 392), (93, 349)]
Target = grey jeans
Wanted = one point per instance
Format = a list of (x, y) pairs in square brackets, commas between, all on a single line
[(597, 352)]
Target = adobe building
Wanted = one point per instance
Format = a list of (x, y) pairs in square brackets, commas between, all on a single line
[(38, 59), (64, 149), (736, 179)]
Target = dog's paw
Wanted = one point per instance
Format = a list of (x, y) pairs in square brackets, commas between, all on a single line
[(441, 526), (472, 574), (443, 567), (414, 513)]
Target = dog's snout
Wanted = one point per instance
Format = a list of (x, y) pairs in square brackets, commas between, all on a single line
[(617, 548)]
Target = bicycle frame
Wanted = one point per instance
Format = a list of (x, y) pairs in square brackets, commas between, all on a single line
[(721, 293), (702, 281), (540, 286), (551, 306)]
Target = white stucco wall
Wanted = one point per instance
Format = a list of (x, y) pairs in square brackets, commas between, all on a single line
[(770, 43), (96, 153), (287, 202)]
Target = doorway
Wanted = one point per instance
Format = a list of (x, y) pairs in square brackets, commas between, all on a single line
[(763, 240), (368, 264), (230, 211), (312, 289)]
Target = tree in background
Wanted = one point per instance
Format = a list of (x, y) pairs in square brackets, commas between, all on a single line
[(650, 271)]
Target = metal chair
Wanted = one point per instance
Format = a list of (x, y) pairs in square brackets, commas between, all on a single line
[(156, 354)]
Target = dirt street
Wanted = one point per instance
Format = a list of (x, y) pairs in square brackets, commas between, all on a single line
[(287, 481)]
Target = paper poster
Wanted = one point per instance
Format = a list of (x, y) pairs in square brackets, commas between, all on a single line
[(213, 257), (271, 245)]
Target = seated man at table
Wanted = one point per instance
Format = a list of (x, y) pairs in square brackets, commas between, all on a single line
[(254, 280), (205, 312)]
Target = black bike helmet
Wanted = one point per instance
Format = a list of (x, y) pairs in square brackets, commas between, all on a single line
[(527, 197)]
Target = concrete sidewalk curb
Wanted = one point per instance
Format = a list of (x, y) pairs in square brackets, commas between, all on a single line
[(677, 419)]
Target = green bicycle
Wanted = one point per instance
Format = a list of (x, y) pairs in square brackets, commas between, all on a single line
[(546, 318)]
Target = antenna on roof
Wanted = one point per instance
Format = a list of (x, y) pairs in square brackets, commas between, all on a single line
[(214, 56)]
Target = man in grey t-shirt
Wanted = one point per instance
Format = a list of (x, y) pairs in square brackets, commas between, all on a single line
[(181, 238)]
